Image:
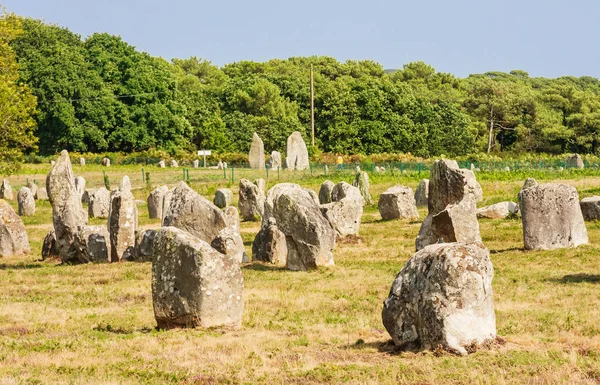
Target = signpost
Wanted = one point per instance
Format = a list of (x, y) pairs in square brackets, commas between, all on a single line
[(204, 153)]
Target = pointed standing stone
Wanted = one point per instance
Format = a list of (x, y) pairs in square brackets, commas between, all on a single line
[(155, 202), (362, 182), (297, 153), (99, 203), (26, 202), (275, 160), (6, 191), (122, 221), (422, 193), (13, 236), (256, 156)]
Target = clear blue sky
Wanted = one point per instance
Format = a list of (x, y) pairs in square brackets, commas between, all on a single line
[(545, 38)]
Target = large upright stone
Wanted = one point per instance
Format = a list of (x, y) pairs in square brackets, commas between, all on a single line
[(310, 238), (251, 200), (345, 190), (270, 244), (297, 153), (193, 213), (325, 192), (574, 161), (98, 203), (590, 208), (13, 236), (162, 164), (174, 163), (122, 221), (6, 191), (345, 213), (443, 296), (41, 194), (232, 217), (80, 185), (34, 189), (275, 160), (106, 162), (398, 202), (362, 182), (194, 285), (82, 162), (91, 244), (256, 156), (223, 198), (453, 193), (26, 202), (144, 245), (422, 193), (551, 217), (67, 211), (155, 202)]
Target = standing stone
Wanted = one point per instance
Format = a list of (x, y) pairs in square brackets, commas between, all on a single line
[(194, 285), (551, 217), (67, 211), (398, 202), (49, 246), (452, 207), (443, 296), (345, 214), (256, 156), (223, 198), (91, 244), (590, 208), (80, 185), (251, 200), (343, 190), (196, 163), (362, 182), (297, 153), (26, 202), (122, 222), (325, 192), (41, 194), (422, 193), (166, 204), (529, 182), (193, 213), (99, 203), (162, 164), (225, 165), (230, 242), (275, 160), (574, 161), (13, 236), (313, 195), (270, 244), (6, 191), (155, 202), (33, 187), (144, 244), (310, 238), (220, 165), (81, 162), (498, 211), (232, 217), (106, 162), (174, 163)]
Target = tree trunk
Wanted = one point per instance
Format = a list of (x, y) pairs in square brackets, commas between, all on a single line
[(491, 133)]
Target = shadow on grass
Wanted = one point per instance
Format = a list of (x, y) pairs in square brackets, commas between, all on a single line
[(500, 251), (120, 330), (387, 347), (577, 278), (20, 266), (263, 267)]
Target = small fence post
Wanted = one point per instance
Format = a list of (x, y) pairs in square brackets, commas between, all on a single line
[(419, 167), (143, 175), (310, 166), (325, 170), (267, 170), (278, 168), (232, 174), (224, 173)]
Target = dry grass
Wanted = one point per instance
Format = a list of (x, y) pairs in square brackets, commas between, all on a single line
[(94, 324)]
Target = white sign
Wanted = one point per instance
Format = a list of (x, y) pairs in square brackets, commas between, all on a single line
[(204, 153)]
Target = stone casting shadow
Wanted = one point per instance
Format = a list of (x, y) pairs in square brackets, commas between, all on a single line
[(263, 267), (578, 278), (28, 266)]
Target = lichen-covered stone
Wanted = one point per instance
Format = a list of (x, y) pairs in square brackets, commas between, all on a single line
[(13, 236), (275, 160), (362, 182), (6, 191), (590, 208), (270, 245), (155, 202), (251, 200), (398, 202), (34, 189), (49, 245), (325, 192), (41, 194), (144, 244), (256, 156), (122, 221), (232, 217), (26, 202), (91, 244), (422, 193), (498, 211), (297, 152), (574, 161), (106, 162), (230, 242), (98, 203), (223, 198), (344, 214)]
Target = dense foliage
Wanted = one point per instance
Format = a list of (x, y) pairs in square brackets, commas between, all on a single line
[(101, 94)]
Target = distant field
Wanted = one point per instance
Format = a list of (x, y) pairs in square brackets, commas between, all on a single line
[(94, 324)]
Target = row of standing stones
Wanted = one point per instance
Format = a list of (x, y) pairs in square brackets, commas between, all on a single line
[(442, 297), (296, 155)]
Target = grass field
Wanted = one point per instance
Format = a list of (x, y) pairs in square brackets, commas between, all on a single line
[(94, 324)]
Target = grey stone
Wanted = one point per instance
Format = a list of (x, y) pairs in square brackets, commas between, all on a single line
[(529, 182), (223, 198), (122, 222), (422, 193), (49, 246), (362, 182), (443, 297), (574, 161), (498, 211), (174, 163), (81, 162), (345, 190), (144, 244), (166, 205), (229, 242), (67, 211), (34, 189), (162, 164), (270, 244), (313, 195), (80, 185), (275, 160), (6, 191), (232, 217), (196, 163), (85, 197), (26, 202), (220, 165), (193, 213), (551, 217), (41, 194), (155, 202), (13, 236), (297, 153), (106, 162), (91, 244), (98, 203), (453, 193), (256, 156), (345, 214), (325, 192), (590, 208), (398, 202), (251, 200), (194, 285)]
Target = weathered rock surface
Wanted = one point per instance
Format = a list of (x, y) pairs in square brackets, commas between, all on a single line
[(49, 246), (166, 205), (13, 236), (345, 190), (275, 160), (443, 296), (270, 244), (256, 156), (325, 192), (6, 191), (194, 285), (81, 162), (41, 194), (362, 182), (26, 202), (34, 189), (345, 213), (422, 193), (398, 202), (155, 202), (106, 162), (91, 244), (67, 211), (529, 182), (310, 238), (122, 222), (574, 161), (223, 198), (174, 163), (551, 217), (230, 242), (193, 213), (313, 195), (251, 199), (590, 208), (98, 202), (453, 193), (232, 217), (162, 164), (80, 185), (498, 211), (144, 244), (297, 153)]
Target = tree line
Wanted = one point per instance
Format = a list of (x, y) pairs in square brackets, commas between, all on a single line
[(101, 94)]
